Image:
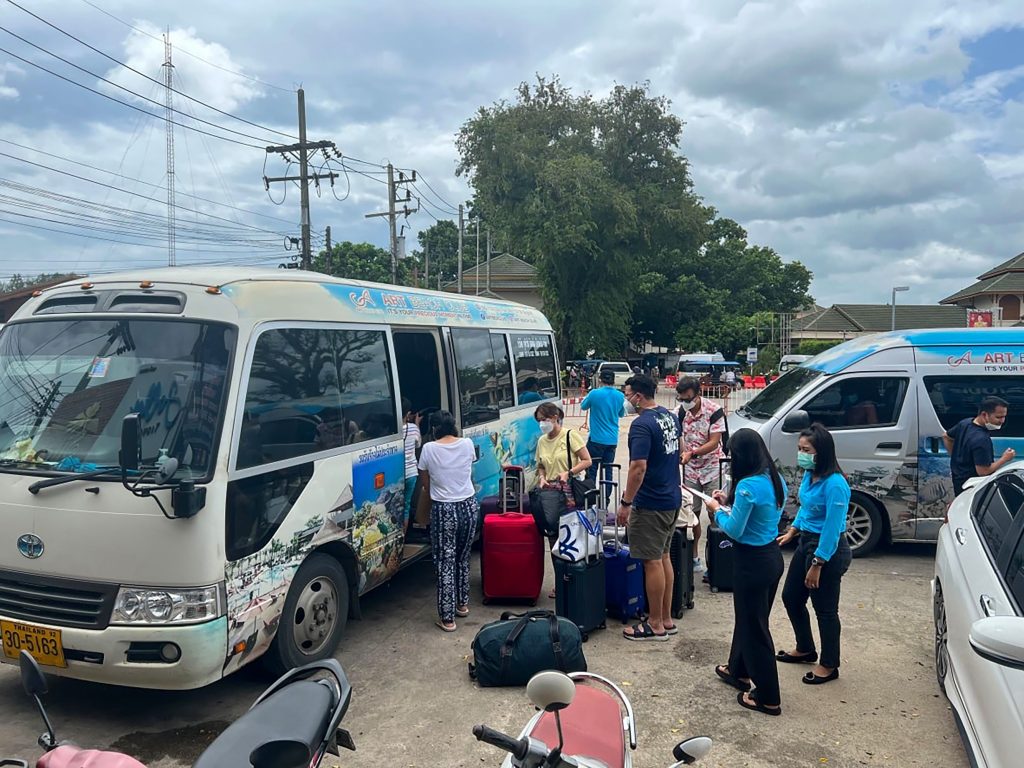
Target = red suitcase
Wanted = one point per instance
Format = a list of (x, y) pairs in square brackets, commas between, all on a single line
[(512, 551)]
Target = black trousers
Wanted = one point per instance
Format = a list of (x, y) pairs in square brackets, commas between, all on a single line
[(825, 598), (756, 575)]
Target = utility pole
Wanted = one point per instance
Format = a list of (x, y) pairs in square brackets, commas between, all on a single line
[(392, 214), (478, 256), (169, 113), (304, 176), (426, 262), (460, 247), (488, 258), (330, 255)]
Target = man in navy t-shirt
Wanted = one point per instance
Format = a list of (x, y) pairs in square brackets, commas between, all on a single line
[(650, 503), (970, 444), (606, 405)]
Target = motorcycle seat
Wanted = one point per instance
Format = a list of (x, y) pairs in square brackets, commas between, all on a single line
[(299, 712), (591, 726), (70, 756)]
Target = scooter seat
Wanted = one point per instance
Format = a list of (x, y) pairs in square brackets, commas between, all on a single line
[(298, 712), (69, 756), (591, 726)]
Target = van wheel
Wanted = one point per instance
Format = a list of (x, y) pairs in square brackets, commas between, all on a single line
[(314, 617), (863, 525)]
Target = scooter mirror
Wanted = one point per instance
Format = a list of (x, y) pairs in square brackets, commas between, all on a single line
[(551, 690), (690, 751), (283, 753), (32, 678)]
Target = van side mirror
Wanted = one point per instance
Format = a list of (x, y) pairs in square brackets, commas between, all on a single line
[(131, 442), (796, 421)]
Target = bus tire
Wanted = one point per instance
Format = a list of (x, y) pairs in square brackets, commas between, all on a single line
[(314, 616), (864, 525)]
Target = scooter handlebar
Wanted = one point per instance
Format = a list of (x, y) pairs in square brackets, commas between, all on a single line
[(518, 748)]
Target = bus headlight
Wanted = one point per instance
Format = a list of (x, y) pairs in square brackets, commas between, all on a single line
[(137, 605)]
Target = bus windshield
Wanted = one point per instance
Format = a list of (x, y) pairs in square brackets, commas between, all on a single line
[(778, 393), (66, 385)]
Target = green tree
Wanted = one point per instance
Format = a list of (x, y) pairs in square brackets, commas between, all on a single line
[(19, 282), (815, 346), (362, 261)]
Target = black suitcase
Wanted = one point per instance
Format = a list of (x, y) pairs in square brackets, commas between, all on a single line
[(580, 593), (718, 555), (681, 555)]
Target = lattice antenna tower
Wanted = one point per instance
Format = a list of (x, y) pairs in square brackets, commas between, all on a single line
[(168, 68)]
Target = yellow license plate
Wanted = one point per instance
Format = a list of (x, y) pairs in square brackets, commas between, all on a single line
[(44, 645)]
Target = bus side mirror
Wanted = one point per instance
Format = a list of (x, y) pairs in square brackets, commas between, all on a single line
[(796, 421), (131, 442)]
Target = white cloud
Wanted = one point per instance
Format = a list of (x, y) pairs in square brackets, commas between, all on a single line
[(9, 91)]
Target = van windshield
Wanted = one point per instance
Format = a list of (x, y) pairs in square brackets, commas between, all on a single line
[(778, 393), (66, 385)]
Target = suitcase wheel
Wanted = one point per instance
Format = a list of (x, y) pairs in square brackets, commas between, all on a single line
[(585, 636), (715, 590), (689, 605)]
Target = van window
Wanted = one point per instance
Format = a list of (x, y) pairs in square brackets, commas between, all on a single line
[(313, 389), (956, 398), (485, 375), (535, 366), (996, 513), (859, 402)]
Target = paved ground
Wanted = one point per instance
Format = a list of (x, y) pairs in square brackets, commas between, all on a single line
[(414, 704)]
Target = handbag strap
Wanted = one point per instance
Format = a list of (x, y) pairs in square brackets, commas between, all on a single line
[(568, 453), (556, 641), (508, 647)]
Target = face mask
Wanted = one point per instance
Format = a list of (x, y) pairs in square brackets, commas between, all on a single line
[(547, 427), (992, 427), (630, 408), (688, 405), (805, 460)]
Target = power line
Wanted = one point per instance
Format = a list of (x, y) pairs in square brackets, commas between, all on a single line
[(192, 55), (126, 104), (129, 90), (454, 210), (143, 74)]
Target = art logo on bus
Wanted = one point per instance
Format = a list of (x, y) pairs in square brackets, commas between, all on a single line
[(955, 362)]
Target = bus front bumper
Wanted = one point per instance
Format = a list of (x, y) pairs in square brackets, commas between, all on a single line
[(163, 657)]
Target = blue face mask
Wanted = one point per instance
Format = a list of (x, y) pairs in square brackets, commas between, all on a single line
[(805, 460)]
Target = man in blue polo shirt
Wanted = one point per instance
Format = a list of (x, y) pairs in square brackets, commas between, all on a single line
[(606, 405)]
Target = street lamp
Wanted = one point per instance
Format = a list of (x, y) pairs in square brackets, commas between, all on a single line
[(896, 289)]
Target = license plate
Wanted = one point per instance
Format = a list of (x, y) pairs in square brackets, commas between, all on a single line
[(44, 645)]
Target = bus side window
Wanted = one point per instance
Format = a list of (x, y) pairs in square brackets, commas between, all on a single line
[(484, 375)]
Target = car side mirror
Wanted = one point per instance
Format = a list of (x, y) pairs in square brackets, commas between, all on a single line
[(796, 421), (999, 639), (131, 442)]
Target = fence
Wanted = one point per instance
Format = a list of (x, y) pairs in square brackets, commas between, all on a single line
[(666, 396)]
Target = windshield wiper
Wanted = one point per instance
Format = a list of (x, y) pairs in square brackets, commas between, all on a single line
[(50, 482)]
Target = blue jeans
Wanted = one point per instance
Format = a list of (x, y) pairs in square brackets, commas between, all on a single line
[(601, 455)]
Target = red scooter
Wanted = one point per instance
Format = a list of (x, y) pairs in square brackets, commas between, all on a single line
[(588, 717), (293, 724)]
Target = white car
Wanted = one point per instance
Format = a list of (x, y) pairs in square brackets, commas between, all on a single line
[(979, 616), (622, 372)]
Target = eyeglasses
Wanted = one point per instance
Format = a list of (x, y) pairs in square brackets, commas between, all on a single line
[(685, 399)]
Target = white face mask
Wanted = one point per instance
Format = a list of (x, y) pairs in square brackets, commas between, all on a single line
[(992, 427), (688, 406), (547, 427), (630, 408)]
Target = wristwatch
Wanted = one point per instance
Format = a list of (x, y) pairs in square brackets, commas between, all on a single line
[(625, 503), (818, 561)]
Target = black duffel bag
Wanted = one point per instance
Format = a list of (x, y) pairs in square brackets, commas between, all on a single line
[(514, 649), (547, 506)]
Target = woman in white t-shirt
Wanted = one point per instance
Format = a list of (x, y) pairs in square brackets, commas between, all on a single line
[(446, 472)]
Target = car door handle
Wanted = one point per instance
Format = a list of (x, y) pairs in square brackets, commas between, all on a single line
[(889, 446), (961, 536), (987, 606)]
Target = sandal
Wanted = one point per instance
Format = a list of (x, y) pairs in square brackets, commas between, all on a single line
[(757, 706), (740, 685), (673, 630), (643, 631), (812, 679), (462, 612), (445, 627), (803, 658)]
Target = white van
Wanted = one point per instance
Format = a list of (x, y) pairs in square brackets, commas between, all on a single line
[(887, 399)]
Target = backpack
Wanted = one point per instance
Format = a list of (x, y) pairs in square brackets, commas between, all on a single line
[(719, 414)]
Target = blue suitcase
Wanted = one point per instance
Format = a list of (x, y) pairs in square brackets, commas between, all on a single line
[(624, 575)]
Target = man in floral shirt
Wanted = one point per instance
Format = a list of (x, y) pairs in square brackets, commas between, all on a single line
[(703, 423)]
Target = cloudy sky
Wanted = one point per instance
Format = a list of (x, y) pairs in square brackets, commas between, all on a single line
[(879, 143)]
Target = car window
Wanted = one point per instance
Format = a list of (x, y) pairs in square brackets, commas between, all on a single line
[(956, 398), (616, 367), (859, 402), (996, 513), (1015, 576)]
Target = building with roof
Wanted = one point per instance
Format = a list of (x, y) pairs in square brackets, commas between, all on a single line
[(847, 321), (504, 276), (1000, 291)]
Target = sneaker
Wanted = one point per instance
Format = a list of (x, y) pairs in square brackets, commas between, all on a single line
[(698, 566)]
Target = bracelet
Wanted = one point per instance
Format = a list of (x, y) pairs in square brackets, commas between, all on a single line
[(625, 503)]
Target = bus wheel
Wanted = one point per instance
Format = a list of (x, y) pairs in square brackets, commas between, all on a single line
[(863, 525), (314, 617)]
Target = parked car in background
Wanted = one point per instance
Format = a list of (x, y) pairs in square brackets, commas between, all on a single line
[(979, 616), (621, 369)]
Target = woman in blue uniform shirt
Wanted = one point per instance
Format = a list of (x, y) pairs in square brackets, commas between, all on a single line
[(822, 557), (751, 519)]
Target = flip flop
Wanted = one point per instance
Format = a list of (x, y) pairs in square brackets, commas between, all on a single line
[(732, 680), (812, 679), (462, 612), (441, 625), (642, 632), (804, 658), (673, 630), (757, 706)]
